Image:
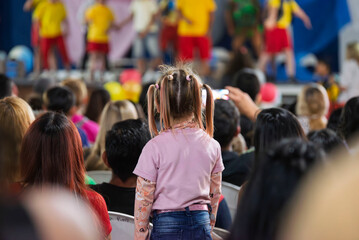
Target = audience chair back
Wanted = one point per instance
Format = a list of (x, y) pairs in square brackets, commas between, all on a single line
[(222, 233), (100, 176), (123, 226), (230, 193)]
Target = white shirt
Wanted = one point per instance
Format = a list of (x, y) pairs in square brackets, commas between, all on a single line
[(142, 11), (349, 79)]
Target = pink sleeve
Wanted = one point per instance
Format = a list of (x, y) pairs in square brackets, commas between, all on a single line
[(148, 163), (218, 167)]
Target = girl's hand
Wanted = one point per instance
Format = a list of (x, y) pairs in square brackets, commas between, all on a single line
[(243, 102)]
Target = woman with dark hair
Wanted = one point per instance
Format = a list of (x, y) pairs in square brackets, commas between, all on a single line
[(334, 119), (348, 126), (273, 125), (328, 140), (51, 154), (98, 100), (271, 188)]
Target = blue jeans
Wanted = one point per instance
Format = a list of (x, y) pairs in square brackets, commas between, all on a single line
[(188, 225)]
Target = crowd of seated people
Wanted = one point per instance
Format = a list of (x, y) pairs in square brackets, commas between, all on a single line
[(75, 131)]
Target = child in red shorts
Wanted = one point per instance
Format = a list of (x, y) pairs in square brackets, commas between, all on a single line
[(277, 36), (169, 35), (100, 19), (35, 37), (196, 19), (50, 15)]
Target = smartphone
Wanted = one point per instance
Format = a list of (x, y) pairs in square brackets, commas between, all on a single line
[(217, 94), (220, 94)]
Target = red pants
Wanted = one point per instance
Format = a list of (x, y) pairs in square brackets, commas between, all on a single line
[(47, 43), (187, 46), (35, 37), (169, 36)]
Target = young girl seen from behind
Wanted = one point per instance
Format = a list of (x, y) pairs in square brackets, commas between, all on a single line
[(180, 169)]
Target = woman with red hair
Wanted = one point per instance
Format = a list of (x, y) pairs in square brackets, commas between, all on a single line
[(51, 154)]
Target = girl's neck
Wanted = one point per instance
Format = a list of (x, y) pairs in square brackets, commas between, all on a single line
[(184, 123), (182, 120)]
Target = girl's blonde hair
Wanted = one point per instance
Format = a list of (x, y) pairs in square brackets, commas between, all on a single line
[(15, 118), (313, 102), (112, 113), (353, 51), (178, 95)]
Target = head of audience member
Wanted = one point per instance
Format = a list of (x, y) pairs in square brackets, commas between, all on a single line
[(15, 118), (326, 206), (51, 154), (113, 112), (226, 123), (271, 188), (353, 51), (240, 60), (74, 219), (327, 139), (313, 102), (5, 86), (323, 68), (60, 99), (139, 110), (348, 126), (35, 102), (98, 100), (124, 144), (334, 119), (248, 82), (78, 87), (273, 125)]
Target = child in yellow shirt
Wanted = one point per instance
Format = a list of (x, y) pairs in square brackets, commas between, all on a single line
[(196, 19), (100, 19), (50, 15)]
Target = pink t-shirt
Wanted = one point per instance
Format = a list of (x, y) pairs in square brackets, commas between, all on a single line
[(181, 163), (90, 127)]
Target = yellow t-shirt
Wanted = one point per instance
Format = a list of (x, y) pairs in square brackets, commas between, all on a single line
[(198, 12), (35, 4), (100, 18), (289, 6), (50, 15)]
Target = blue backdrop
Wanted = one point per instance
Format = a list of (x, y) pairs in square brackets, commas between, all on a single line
[(15, 24)]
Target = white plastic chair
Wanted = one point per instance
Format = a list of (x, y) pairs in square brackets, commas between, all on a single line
[(230, 193), (100, 176), (123, 226), (222, 233)]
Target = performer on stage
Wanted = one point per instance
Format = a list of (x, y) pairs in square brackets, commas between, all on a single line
[(51, 16), (100, 20), (144, 14), (194, 30), (169, 35), (243, 18), (277, 36), (35, 37)]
